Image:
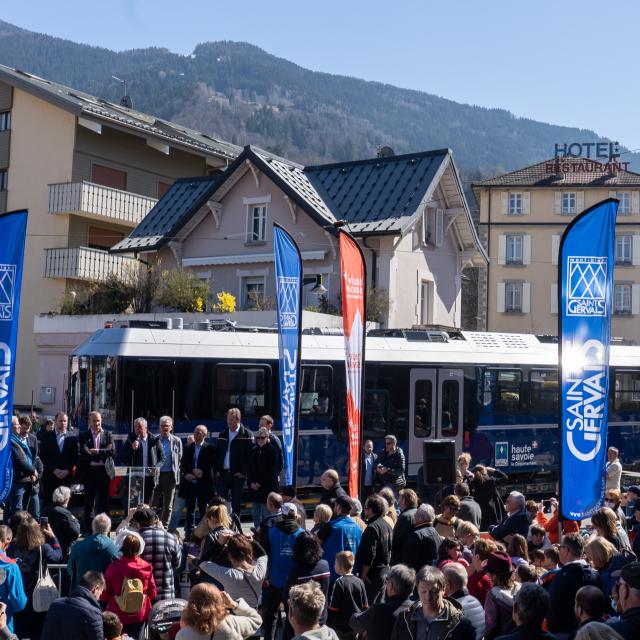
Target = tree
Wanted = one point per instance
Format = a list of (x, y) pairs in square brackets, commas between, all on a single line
[(182, 290)]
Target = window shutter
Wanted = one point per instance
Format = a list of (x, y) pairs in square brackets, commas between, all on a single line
[(501, 288), (526, 249), (635, 250), (504, 202), (555, 248), (502, 248), (439, 227), (425, 226), (558, 202), (526, 203), (635, 202), (526, 297), (554, 298), (580, 202), (635, 299)]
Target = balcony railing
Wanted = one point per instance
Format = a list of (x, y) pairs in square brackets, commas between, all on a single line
[(83, 263), (95, 201)]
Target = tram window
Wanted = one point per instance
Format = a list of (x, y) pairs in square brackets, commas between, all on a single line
[(103, 388), (450, 408), (505, 387), (376, 413), (627, 391), (423, 393), (543, 389), (315, 395), (242, 387)]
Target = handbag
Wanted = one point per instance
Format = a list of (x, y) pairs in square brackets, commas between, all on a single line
[(45, 591)]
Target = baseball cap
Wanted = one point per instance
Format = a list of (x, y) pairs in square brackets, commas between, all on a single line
[(289, 509), (630, 573), (634, 488)]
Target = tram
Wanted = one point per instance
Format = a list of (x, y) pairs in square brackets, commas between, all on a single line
[(494, 394)]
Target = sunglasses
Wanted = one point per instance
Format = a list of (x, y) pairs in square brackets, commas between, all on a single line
[(261, 437)]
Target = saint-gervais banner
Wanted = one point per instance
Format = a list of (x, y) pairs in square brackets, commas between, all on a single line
[(354, 282), (13, 229), (289, 311), (585, 275)]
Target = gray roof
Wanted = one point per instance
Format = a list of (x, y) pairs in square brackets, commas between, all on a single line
[(377, 195), (88, 106), (564, 172)]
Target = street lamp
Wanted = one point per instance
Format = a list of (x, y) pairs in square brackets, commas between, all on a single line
[(319, 289)]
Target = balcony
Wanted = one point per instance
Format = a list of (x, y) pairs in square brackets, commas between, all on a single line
[(83, 263), (101, 203)]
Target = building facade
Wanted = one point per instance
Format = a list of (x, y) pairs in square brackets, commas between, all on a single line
[(408, 213), (522, 217), (88, 171)]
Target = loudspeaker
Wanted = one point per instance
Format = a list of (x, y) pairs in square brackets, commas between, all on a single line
[(439, 461)]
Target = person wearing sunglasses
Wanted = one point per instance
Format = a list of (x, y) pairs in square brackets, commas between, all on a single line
[(262, 474), (627, 595)]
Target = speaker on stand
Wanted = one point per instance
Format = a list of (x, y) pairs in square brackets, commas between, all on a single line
[(439, 463)]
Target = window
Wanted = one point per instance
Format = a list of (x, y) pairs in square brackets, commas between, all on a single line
[(98, 238), (543, 391), (245, 387), (623, 249), (422, 414), (627, 391), (450, 408), (252, 292), (622, 299), (425, 298), (502, 390), (5, 120), (514, 249), (103, 388), (515, 204), (315, 394), (109, 177), (257, 223), (568, 202), (513, 297), (376, 413), (3, 179), (624, 207)]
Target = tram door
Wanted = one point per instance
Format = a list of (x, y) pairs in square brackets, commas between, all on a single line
[(435, 410)]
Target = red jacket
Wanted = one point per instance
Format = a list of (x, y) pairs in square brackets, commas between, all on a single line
[(115, 575)]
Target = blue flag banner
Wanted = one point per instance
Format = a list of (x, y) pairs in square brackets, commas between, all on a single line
[(13, 229), (289, 311), (585, 273)]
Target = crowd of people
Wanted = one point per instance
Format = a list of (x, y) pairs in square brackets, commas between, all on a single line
[(399, 567)]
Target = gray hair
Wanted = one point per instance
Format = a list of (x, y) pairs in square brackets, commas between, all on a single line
[(597, 631), (425, 513), (456, 575), (61, 495), (391, 437), (531, 604), (431, 574), (356, 507), (141, 421), (101, 524), (402, 578), (168, 419), (516, 495)]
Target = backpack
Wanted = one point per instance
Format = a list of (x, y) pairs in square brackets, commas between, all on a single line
[(132, 597)]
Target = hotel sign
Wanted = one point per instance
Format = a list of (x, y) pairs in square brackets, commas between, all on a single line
[(596, 157)]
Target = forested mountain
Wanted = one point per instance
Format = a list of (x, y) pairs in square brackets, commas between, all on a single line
[(240, 93)]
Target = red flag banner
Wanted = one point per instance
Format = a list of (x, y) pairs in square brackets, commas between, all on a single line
[(354, 283)]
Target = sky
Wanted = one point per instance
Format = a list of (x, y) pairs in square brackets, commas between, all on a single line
[(571, 63)]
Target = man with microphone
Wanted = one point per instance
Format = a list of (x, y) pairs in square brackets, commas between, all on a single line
[(141, 449)]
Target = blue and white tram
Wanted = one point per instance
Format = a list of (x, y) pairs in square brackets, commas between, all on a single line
[(496, 395)]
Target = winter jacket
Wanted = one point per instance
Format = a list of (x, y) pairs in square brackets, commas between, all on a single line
[(374, 550), (422, 546), (607, 580), (470, 511), (486, 495), (241, 623), (29, 562), (94, 553), (348, 596), (240, 448), (64, 524), (472, 610), (563, 590), (262, 468), (394, 463), (628, 624), (401, 532), (498, 610), (378, 620), (77, 617), (11, 588), (515, 523), (23, 463), (301, 573), (282, 537), (323, 633), (479, 585), (115, 575), (451, 625), (340, 534), (329, 496)]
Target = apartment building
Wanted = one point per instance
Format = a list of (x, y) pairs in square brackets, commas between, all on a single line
[(522, 217), (88, 171)]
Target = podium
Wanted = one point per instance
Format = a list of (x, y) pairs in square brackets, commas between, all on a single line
[(139, 482)]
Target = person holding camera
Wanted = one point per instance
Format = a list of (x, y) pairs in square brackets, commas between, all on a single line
[(390, 466)]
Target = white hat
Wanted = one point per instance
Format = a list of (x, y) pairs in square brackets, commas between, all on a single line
[(288, 509)]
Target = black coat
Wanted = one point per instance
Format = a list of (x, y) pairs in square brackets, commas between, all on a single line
[(133, 457), (486, 495), (22, 467), (628, 624), (52, 458), (65, 526), (394, 462), (77, 616), (374, 549), (525, 633), (205, 462), (401, 532), (378, 620), (421, 547), (516, 523), (263, 469), (104, 454), (470, 511), (329, 496), (241, 446)]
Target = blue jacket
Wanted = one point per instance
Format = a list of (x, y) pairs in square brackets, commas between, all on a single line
[(94, 553), (77, 616), (11, 588), (345, 535), (516, 523), (282, 537)]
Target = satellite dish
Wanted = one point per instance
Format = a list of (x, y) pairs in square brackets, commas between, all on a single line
[(386, 152)]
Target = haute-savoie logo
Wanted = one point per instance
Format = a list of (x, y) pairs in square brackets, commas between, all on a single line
[(7, 290), (587, 286)]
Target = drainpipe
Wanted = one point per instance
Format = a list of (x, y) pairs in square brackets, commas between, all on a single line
[(486, 328), (374, 261)]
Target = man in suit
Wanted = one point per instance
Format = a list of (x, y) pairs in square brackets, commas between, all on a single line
[(143, 450), (169, 470), (369, 460), (196, 476), (59, 453), (97, 468), (234, 447)]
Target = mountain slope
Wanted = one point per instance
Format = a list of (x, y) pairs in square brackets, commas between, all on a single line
[(239, 92)]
